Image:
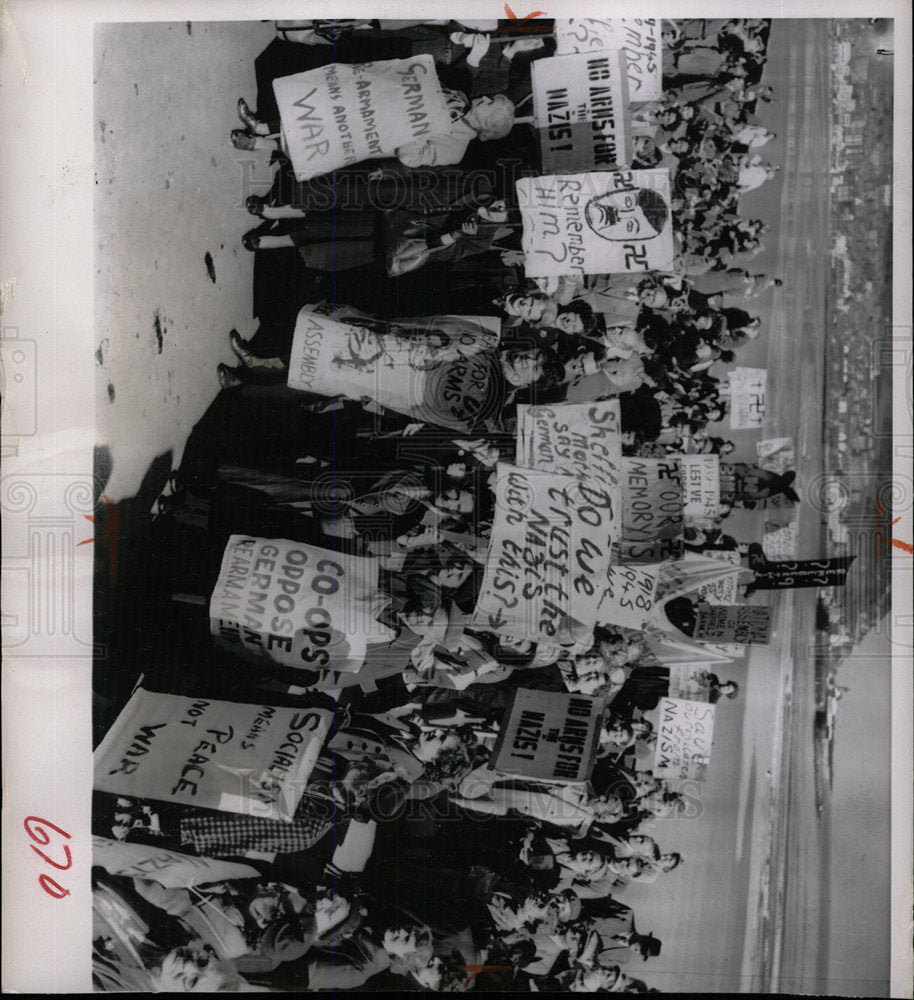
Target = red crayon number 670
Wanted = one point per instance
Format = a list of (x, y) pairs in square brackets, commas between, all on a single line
[(34, 827)]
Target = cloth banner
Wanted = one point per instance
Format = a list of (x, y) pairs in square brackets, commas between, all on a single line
[(575, 439), (738, 623), (805, 573), (581, 109), (235, 757), (629, 596), (605, 222), (341, 114), (169, 868), (550, 548), (748, 388), (549, 735), (638, 38), (295, 604), (700, 485), (442, 376), (685, 732)]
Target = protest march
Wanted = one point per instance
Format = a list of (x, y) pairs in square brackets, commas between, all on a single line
[(449, 562)]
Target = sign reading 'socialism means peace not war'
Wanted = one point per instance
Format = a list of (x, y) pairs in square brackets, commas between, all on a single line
[(251, 759), (294, 604), (581, 107), (341, 114), (609, 222), (549, 552), (638, 38)]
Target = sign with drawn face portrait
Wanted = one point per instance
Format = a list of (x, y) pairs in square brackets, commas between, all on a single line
[(610, 222)]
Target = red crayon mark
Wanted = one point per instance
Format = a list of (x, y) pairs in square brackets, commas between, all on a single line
[(526, 17), (110, 533), (34, 827), (491, 969)]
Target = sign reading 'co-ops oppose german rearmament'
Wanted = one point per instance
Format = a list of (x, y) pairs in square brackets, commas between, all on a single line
[(575, 439), (638, 38), (341, 114), (294, 604), (685, 731), (549, 735), (581, 108), (548, 556), (251, 759), (745, 624), (604, 222)]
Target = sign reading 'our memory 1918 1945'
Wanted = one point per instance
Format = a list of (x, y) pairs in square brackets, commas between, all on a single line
[(602, 222), (637, 37), (581, 107)]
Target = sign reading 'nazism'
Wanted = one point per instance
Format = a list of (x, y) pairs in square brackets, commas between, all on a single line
[(581, 104), (608, 222), (685, 731), (339, 114)]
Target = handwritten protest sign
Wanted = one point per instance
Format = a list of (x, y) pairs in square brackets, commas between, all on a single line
[(169, 868), (576, 439), (779, 541), (446, 380), (629, 596), (700, 485), (748, 389), (604, 222), (294, 604), (651, 499), (549, 735), (690, 681), (341, 114), (581, 108), (737, 623), (250, 759), (638, 38), (685, 732), (549, 552)]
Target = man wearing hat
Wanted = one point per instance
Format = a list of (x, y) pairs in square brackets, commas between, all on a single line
[(622, 947)]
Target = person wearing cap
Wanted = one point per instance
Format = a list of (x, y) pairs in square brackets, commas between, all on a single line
[(622, 948)]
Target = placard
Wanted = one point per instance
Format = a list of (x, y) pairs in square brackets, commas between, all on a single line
[(638, 38), (724, 589), (294, 604), (738, 623), (651, 499), (700, 485), (689, 681), (575, 439), (629, 596), (748, 390), (549, 552), (171, 869), (603, 222), (549, 735), (341, 114), (685, 732), (780, 540), (235, 757), (446, 380), (581, 110)]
